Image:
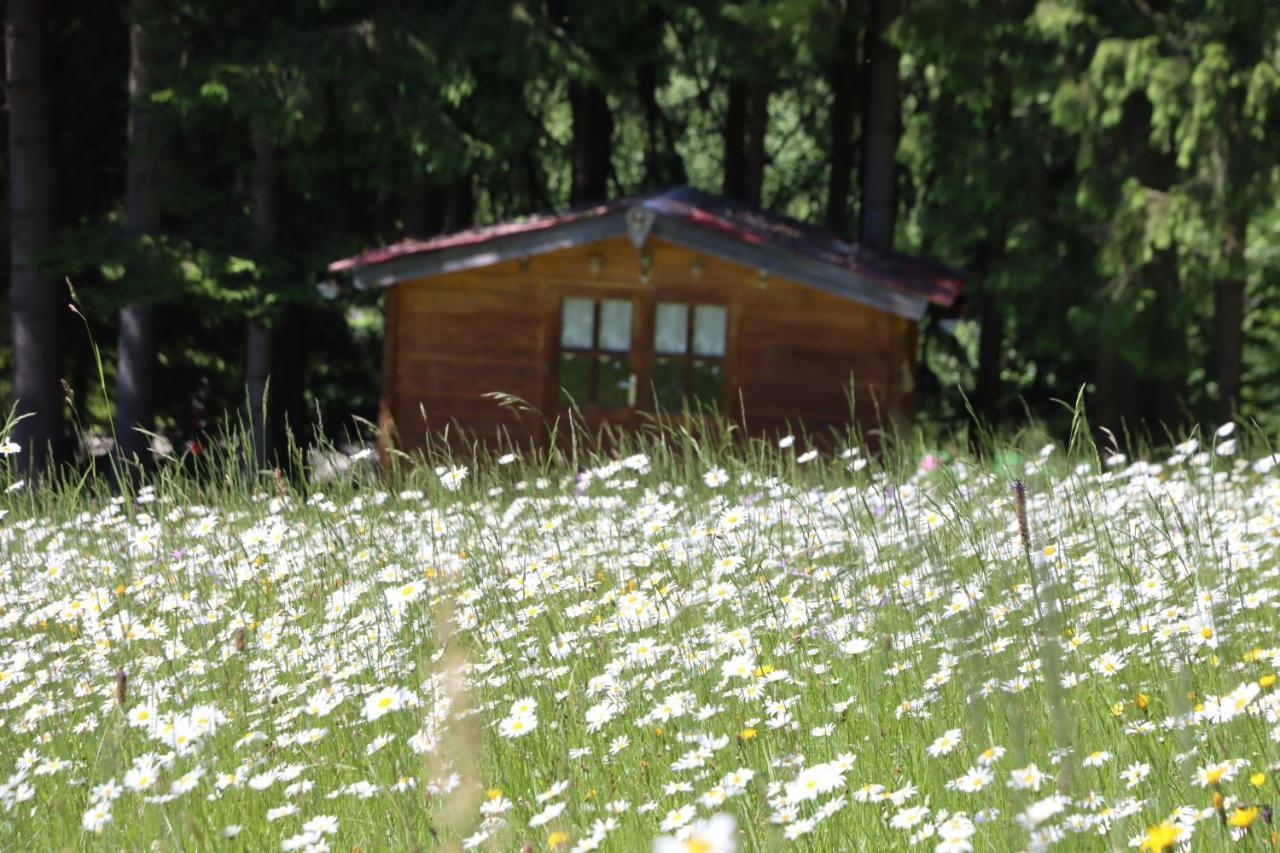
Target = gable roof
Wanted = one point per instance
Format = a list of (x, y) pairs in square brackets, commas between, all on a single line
[(898, 283)]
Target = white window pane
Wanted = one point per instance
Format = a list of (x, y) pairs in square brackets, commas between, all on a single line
[(709, 323), (615, 325), (577, 323), (671, 328)]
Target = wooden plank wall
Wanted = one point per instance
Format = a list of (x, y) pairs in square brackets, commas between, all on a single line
[(792, 348)]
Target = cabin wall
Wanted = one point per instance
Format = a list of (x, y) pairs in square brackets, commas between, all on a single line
[(791, 348), (455, 338)]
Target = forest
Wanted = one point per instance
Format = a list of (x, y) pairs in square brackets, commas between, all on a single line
[(180, 174)]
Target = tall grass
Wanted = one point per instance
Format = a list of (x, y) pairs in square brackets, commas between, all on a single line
[(600, 641)]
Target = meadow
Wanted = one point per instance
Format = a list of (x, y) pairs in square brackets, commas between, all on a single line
[(673, 646)]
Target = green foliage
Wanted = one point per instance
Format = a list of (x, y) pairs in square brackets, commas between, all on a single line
[(1082, 159)]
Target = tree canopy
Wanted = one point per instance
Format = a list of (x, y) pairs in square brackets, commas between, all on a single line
[(1105, 171)]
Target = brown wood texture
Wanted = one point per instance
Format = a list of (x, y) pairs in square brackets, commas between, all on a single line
[(792, 350)]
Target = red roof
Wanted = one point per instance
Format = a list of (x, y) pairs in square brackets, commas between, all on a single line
[(706, 213)]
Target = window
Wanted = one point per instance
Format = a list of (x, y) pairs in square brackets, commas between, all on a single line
[(688, 355), (595, 352)]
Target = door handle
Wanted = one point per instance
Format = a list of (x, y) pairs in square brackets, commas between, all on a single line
[(631, 391)]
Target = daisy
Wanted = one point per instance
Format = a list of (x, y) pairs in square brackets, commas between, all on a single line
[(945, 743), (1028, 778), (1135, 773), (402, 595), (1096, 758), (96, 818), (677, 818), (973, 780), (383, 702), (513, 727)]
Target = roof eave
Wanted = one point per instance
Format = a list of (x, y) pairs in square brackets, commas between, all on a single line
[(819, 274), (504, 248), (645, 222)]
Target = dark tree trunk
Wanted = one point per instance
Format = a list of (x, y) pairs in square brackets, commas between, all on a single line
[(1161, 389), (757, 126), (990, 359), (289, 360), (460, 204), (260, 348), (735, 135), (662, 164), (136, 348), (35, 303), (842, 74), (423, 215), (592, 143), (880, 125), (433, 209), (1228, 319), (746, 123), (1116, 381), (647, 91)]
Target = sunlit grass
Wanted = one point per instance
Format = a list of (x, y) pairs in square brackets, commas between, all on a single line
[(838, 649)]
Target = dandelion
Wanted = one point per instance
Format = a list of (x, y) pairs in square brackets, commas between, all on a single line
[(1162, 837)]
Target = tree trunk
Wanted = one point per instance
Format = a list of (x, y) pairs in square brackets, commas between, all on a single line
[(35, 303), (990, 359), (136, 348), (746, 122), (1228, 319), (259, 348), (432, 208), (735, 135), (423, 213), (662, 164), (757, 125), (289, 362), (1116, 382), (460, 203), (880, 125), (592, 143), (842, 75)]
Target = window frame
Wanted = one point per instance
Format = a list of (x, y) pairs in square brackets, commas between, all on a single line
[(594, 353), (689, 358)]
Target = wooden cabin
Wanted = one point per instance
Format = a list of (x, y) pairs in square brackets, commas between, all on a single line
[(655, 303)]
